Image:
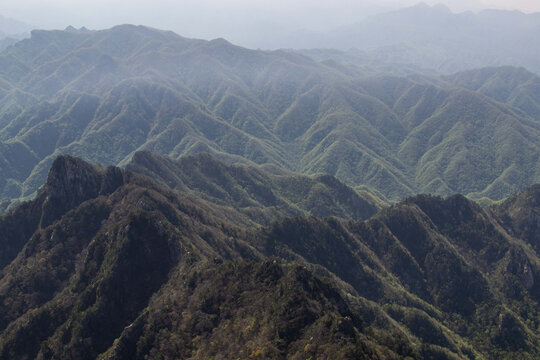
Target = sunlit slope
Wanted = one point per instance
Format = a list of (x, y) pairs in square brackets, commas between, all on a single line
[(104, 95)]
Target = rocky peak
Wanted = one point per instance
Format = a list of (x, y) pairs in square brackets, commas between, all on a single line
[(72, 181)]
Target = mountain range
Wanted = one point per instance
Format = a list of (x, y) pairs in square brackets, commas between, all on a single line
[(104, 95), (12, 31), (164, 197), (433, 37), (263, 193), (108, 263), (12, 27)]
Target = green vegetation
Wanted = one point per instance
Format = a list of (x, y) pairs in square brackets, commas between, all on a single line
[(107, 263), (263, 193), (104, 95)]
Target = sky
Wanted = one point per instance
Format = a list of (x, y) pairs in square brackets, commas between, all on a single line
[(236, 20)]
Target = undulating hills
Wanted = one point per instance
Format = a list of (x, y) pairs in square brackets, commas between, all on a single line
[(104, 95), (263, 193), (108, 263), (433, 37)]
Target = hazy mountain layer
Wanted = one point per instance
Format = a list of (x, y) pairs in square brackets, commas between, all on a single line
[(12, 31), (7, 41), (433, 37), (105, 95), (107, 263), (11, 27)]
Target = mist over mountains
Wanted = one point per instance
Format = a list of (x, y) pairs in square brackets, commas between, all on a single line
[(163, 197), (430, 37), (12, 31), (103, 95), (434, 38), (11, 27)]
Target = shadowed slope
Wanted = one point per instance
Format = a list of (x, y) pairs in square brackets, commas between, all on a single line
[(427, 278)]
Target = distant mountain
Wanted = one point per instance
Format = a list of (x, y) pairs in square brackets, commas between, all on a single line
[(6, 42), (10, 27), (514, 86), (108, 264), (12, 31), (433, 37), (104, 95)]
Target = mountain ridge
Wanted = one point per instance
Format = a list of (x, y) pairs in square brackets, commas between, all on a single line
[(428, 277), (434, 37), (252, 189), (260, 107)]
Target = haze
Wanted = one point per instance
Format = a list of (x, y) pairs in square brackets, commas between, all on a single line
[(241, 21)]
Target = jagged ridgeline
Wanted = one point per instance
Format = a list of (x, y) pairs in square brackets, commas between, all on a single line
[(108, 263), (103, 95)]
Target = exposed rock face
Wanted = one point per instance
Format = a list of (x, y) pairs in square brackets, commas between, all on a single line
[(509, 332), (72, 181), (528, 277), (520, 266), (521, 215)]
